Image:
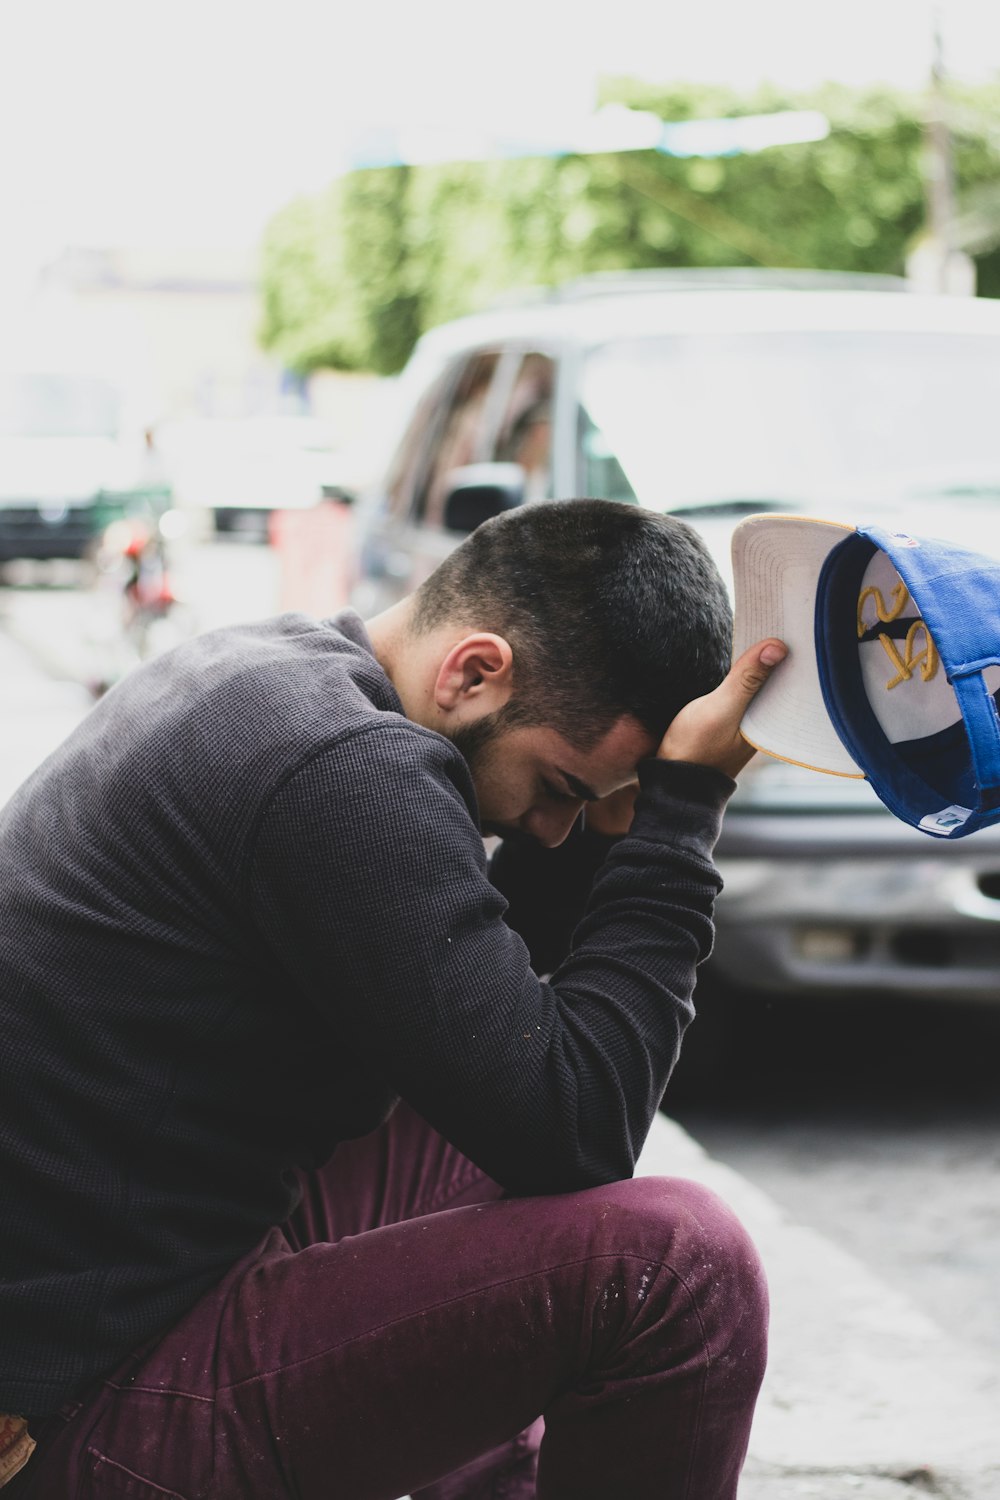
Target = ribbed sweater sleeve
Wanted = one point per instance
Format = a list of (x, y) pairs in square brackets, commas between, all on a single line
[(368, 879)]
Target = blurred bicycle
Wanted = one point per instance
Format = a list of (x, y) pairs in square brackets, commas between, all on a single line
[(149, 618)]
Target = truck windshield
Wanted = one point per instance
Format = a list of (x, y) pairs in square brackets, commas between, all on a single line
[(693, 420)]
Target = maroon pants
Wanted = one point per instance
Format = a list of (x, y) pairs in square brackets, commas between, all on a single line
[(408, 1330)]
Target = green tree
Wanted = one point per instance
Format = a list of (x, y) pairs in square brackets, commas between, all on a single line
[(353, 275)]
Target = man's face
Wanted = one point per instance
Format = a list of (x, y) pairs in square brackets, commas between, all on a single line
[(532, 781)]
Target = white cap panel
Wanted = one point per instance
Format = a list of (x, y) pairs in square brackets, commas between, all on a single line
[(776, 564)]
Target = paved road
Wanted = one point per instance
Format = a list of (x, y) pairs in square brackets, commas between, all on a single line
[(37, 711), (70, 622), (878, 1124)]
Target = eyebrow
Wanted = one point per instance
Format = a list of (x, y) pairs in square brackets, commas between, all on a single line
[(577, 787)]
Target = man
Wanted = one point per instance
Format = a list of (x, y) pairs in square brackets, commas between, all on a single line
[(244, 910)]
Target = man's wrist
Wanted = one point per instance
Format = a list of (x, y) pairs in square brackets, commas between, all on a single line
[(681, 803)]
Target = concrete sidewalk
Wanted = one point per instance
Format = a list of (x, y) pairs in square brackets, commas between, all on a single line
[(865, 1398), (36, 712)]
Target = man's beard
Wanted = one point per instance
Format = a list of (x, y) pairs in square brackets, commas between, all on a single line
[(473, 741)]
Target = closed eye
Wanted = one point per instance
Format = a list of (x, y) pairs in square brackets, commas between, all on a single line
[(555, 794)]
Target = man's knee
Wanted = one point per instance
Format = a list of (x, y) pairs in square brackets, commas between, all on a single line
[(697, 1224), (696, 1238)]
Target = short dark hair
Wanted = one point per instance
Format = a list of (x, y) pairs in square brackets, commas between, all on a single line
[(609, 610)]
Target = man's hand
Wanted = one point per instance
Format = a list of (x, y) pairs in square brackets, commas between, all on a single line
[(707, 730)]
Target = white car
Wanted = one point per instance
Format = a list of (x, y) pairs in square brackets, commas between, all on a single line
[(714, 396), (236, 471), (74, 455)]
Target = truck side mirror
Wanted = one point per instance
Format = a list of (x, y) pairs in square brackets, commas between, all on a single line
[(477, 492)]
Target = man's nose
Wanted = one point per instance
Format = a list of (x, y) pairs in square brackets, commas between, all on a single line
[(550, 826)]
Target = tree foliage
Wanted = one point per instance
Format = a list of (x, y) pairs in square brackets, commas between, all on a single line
[(353, 275)]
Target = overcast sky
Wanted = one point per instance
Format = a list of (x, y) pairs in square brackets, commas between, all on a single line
[(189, 121)]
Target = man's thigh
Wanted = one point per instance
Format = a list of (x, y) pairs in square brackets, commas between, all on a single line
[(373, 1366), (343, 1359)]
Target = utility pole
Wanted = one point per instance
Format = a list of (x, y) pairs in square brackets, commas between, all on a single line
[(936, 264)]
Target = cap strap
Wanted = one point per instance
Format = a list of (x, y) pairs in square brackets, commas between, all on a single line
[(979, 711)]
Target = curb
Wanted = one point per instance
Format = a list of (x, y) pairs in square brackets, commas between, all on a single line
[(863, 1391)]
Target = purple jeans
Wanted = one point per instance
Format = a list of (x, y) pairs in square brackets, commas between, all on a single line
[(410, 1330)]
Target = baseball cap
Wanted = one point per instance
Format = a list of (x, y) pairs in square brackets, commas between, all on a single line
[(893, 669)]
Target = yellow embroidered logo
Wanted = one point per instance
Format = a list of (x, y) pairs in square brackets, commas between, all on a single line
[(907, 661), (883, 612)]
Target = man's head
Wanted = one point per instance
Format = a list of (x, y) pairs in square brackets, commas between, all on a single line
[(609, 610), (578, 627)]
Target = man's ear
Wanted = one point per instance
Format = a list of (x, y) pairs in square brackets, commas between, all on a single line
[(476, 674)]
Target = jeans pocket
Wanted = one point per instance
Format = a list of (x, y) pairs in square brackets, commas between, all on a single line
[(112, 1481)]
